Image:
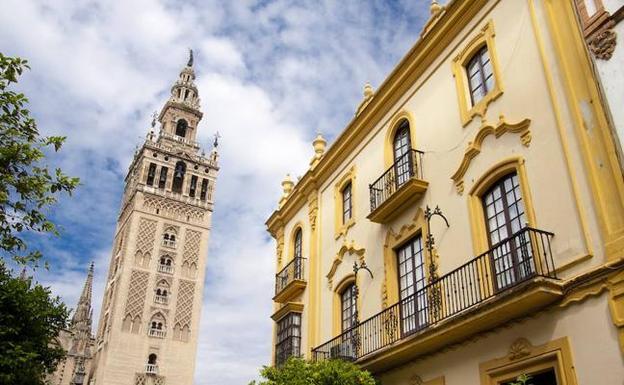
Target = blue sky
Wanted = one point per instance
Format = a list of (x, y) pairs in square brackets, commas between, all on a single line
[(270, 75)]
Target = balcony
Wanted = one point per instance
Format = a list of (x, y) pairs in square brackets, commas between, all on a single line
[(161, 299), (151, 369), (289, 282), (514, 278), (158, 333), (168, 269), (400, 186)]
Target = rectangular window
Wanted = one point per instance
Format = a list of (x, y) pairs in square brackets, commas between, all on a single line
[(288, 338), (545, 377), (151, 174), (348, 307), (412, 280), (503, 206), (193, 186), (204, 188), (346, 203), (480, 75), (162, 181)]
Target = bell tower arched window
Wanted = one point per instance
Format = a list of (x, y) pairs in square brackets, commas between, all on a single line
[(178, 177), (181, 128)]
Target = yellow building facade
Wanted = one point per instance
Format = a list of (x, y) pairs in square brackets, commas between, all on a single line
[(467, 226)]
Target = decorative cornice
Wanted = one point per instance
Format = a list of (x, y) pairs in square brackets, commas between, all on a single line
[(474, 147)]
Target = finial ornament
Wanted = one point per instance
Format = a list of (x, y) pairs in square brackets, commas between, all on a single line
[(190, 61), (368, 90), (319, 145), (154, 117), (435, 7)]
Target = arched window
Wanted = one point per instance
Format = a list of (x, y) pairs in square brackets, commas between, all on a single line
[(169, 237), (504, 217), (402, 146), (298, 244), (158, 326), (480, 75), (178, 177), (181, 128), (151, 359)]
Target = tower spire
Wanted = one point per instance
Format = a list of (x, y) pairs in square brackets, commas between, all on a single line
[(190, 61), (82, 316)]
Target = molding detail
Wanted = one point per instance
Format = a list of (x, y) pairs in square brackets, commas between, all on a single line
[(313, 210), (474, 147), (346, 248), (279, 250), (603, 44), (519, 348)]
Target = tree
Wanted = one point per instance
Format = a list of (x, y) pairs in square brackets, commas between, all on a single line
[(30, 321), (297, 371), (27, 186), (30, 317)]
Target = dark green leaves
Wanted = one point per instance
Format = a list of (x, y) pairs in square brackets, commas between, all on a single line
[(27, 186)]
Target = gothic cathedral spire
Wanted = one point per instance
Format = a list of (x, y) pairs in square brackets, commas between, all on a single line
[(81, 320)]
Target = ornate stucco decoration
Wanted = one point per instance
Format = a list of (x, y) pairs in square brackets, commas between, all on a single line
[(603, 44), (279, 237), (474, 147), (346, 248), (313, 209), (416, 380), (519, 348)]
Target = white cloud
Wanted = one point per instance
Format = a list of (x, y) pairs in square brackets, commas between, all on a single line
[(270, 75)]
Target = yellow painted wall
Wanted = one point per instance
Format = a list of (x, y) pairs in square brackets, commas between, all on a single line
[(535, 87)]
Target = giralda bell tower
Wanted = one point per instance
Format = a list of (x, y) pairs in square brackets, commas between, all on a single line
[(149, 321)]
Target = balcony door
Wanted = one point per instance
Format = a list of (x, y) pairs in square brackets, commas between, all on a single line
[(511, 253), (402, 147), (298, 254), (412, 281)]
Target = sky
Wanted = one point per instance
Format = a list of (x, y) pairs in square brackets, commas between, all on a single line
[(270, 74)]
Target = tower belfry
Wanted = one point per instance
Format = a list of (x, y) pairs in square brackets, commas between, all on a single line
[(149, 319)]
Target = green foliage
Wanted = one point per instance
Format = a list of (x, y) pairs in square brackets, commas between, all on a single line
[(27, 186), (30, 321), (522, 379), (300, 372)]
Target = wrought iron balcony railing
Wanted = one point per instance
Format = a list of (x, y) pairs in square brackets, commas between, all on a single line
[(290, 273), (290, 347), (406, 167), (521, 257)]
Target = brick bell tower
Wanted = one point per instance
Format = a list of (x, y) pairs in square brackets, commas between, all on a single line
[(150, 313)]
